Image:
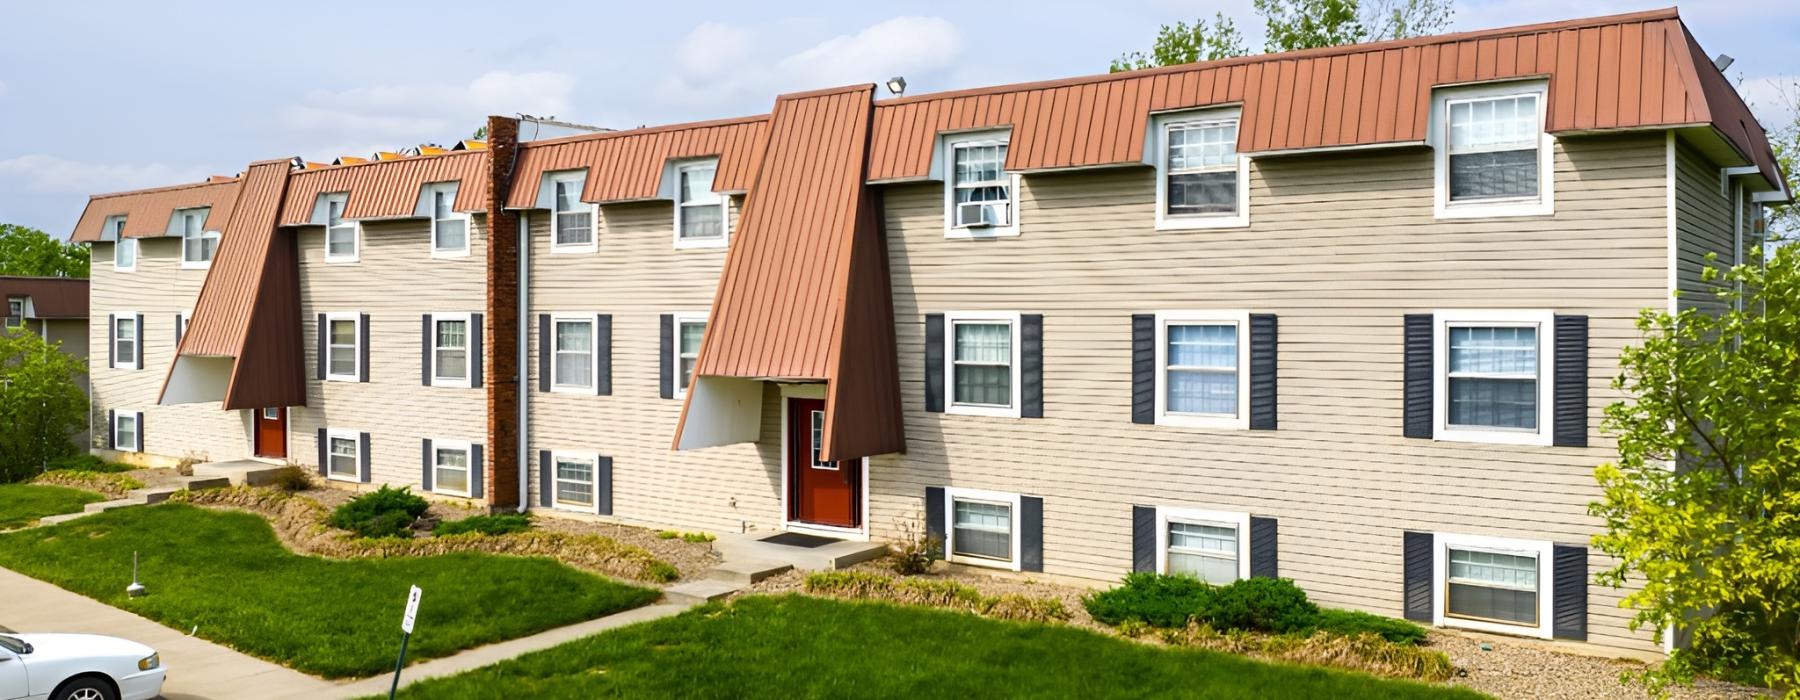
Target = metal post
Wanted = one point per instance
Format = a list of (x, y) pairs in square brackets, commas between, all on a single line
[(404, 638)]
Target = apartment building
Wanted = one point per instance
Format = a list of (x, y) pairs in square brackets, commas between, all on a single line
[(1348, 316)]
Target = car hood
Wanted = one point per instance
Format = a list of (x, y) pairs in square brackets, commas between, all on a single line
[(47, 647)]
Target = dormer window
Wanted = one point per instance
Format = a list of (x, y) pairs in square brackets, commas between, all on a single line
[(342, 236), (197, 244), (571, 220), (449, 229), (979, 197), (1493, 157), (125, 250), (1202, 180), (700, 213)]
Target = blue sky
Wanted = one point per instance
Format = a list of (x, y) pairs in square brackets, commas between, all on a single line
[(103, 96)]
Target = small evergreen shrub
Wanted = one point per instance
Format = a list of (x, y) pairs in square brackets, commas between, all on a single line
[(1261, 605), (292, 478), (386, 512), (667, 534), (498, 524), (1351, 623), (89, 463), (1153, 599)]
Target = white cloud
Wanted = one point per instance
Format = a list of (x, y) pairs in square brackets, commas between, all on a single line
[(721, 62), (396, 116), (49, 174), (1775, 99)]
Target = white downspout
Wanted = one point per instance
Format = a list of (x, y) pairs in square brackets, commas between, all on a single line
[(524, 361)]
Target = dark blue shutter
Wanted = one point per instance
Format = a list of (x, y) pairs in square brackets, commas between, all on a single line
[(324, 452), (178, 331), (477, 363), (112, 429), (934, 363), (362, 348), (544, 352), (1571, 382), (1143, 538), (139, 423), (1417, 591), (1569, 609), (429, 466), (1143, 368), (137, 347), (1265, 551), (603, 355), (477, 471), (1263, 335), (604, 480), (426, 338), (665, 370), (546, 489), (363, 459), (934, 517), (112, 346), (1031, 369), (322, 339), (1418, 374), (1031, 533)]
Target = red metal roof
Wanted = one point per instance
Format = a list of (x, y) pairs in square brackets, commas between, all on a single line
[(147, 211), (390, 188), (625, 166), (51, 297), (1622, 71)]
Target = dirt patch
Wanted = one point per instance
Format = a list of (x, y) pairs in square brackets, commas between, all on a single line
[(692, 559), (987, 584)]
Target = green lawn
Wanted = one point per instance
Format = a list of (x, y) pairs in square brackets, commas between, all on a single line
[(800, 647), (23, 504), (226, 573)]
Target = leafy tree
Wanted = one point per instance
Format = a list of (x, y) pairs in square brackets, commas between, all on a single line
[(1292, 25), (1703, 505), (32, 253), (1401, 19), (1307, 24), (1784, 220), (41, 404), (1182, 43), (480, 133)]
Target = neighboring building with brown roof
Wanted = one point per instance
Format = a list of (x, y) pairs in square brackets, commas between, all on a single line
[(54, 308), (1347, 316)]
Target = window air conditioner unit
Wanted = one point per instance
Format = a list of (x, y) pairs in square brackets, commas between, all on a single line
[(980, 215)]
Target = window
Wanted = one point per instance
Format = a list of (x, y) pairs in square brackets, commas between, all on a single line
[(1211, 546), (979, 201), (449, 230), (450, 349), (1493, 156), (572, 365), (1202, 180), (197, 244), (15, 313), (689, 331), (701, 216), (982, 528), (125, 341), (125, 431), (984, 364), (1202, 360), (125, 250), (1492, 584), (343, 455), (450, 462), (574, 487), (342, 238), (1492, 376), (342, 347), (571, 220)]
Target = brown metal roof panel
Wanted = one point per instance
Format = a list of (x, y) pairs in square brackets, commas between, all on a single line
[(1631, 78), (1606, 99), (147, 212), (222, 314), (51, 297)]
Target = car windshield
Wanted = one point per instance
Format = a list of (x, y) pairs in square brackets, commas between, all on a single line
[(12, 644)]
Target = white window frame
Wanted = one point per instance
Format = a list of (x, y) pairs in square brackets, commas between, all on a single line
[(1240, 319), (1545, 322), (137, 339), (199, 231), (951, 318), (448, 189), (724, 205), (952, 142), (556, 503), (355, 438), (1438, 137), (137, 430), (182, 319), (115, 227), (1443, 542), (342, 199), (951, 495), (1241, 521), (15, 313), (469, 330), (468, 450), (1163, 124), (556, 354), (355, 319), (685, 318), (579, 179)]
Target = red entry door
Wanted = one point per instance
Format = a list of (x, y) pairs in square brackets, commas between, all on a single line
[(821, 493), (271, 433)]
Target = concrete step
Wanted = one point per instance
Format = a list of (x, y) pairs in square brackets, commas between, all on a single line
[(747, 571), (835, 555), (201, 483), (150, 495), (239, 472), (65, 517), (700, 591), (104, 506)]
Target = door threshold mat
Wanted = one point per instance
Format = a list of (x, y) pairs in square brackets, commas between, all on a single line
[(799, 539)]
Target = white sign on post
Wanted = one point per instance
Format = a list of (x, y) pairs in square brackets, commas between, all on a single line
[(412, 610)]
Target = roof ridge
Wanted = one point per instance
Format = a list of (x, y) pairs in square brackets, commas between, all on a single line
[(680, 126), (407, 159), (167, 188)]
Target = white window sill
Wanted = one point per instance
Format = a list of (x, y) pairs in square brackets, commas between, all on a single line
[(190, 265), (1192, 420), (990, 411), (700, 243), (968, 232), (342, 378), (1494, 209), (1541, 631), (447, 492), (451, 382), (1198, 223), (564, 389), (1493, 437), (459, 253), (344, 478), (584, 510), (345, 260), (126, 367), (571, 249), (133, 268)]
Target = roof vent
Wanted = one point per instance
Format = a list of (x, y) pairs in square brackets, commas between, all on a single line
[(1722, 62)]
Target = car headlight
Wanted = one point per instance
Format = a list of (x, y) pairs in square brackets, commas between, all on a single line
[(150, 662)]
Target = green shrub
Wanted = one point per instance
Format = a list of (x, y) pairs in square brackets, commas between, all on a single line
[(937, 593), (500, 524), (292, 478), (89, 463), (386, 512), (1261, 605), (667, 534), (1154, 599), (1012, 606), (1351, 623), (697, 537)]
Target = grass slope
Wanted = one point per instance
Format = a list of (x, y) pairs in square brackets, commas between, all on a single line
[(799, 647), (228, 574), (23, 504)]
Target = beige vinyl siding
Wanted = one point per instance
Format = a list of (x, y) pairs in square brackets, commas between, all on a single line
[(636, 275), (396, 282), (1703, 224), (70, 335), (1341, 247), (159, 290)]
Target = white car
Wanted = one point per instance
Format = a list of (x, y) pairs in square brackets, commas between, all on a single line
[(77, 667)]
